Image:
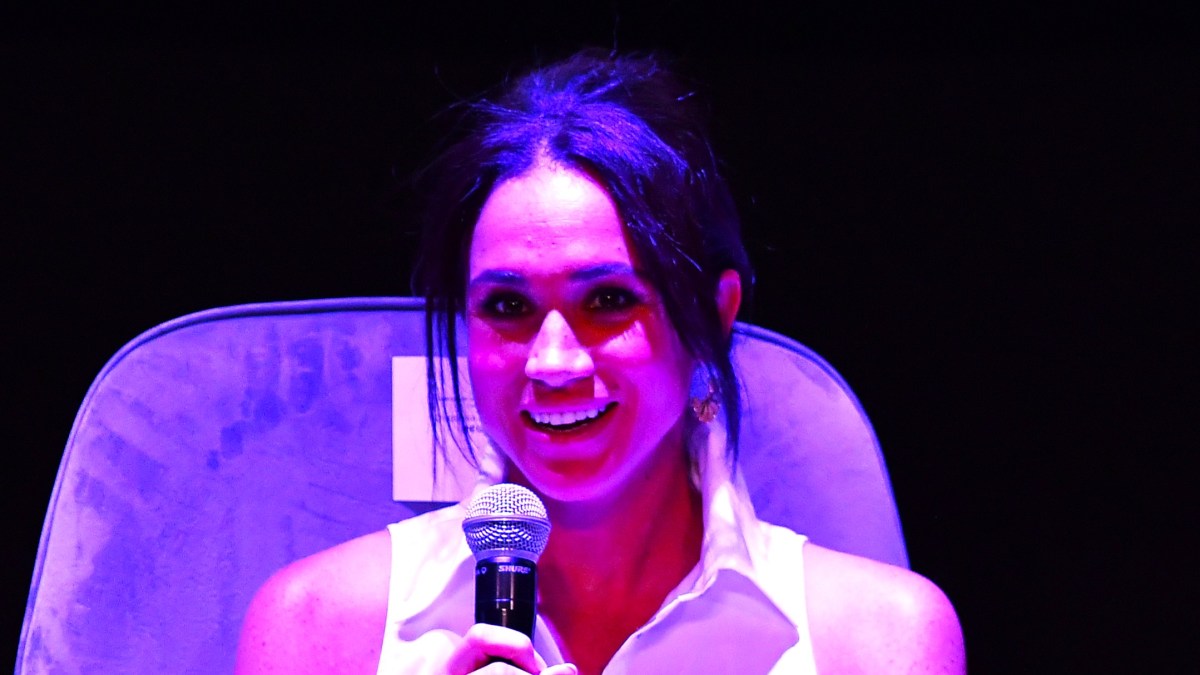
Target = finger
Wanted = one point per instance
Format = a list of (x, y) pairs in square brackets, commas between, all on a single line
[(562, 669), (483, 644)]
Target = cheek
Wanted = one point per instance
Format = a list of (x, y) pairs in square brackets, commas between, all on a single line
[(655, 356), (488, 376), (492, 359), (632, 346)]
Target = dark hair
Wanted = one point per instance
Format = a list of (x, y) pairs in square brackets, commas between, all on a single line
[(634, 127)]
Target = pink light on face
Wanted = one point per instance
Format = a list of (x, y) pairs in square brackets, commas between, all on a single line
[(586, 379)]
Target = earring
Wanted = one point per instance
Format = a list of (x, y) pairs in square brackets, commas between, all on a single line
[(705, 406)]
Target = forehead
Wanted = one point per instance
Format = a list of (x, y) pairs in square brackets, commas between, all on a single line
[(547, 220)]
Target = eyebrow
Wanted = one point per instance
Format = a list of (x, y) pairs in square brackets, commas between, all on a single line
[(590, 273), (603, 270), (505, 277)]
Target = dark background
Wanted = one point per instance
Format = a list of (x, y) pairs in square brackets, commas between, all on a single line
[(978, 216)]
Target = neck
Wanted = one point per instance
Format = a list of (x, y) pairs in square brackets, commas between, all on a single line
[(657, 517), (660, 525), (611, 561)]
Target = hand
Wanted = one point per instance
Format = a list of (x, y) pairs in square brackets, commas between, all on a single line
[(483, 644)]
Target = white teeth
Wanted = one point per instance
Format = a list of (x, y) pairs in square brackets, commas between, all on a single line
[(558, 419)]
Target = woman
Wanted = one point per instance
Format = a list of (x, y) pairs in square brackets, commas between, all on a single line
[(583, 232)]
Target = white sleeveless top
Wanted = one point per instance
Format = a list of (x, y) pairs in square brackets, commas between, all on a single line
[(741, 610)]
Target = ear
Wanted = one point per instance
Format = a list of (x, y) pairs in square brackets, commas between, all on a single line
[(729, 298)]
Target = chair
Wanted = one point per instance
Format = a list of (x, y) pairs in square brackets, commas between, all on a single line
[(216, 448)]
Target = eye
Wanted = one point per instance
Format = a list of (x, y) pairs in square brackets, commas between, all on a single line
[(612, 299), (505, 305)]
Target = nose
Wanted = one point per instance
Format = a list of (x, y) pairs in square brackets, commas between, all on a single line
[(557, 358)]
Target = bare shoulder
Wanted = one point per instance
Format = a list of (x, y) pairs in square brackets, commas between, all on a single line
[(870, 617), (323, 613)]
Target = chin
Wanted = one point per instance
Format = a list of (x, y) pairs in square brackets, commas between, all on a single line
[(566, 481)]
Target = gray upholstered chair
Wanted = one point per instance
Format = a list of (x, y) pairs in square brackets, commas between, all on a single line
[(218, 447)]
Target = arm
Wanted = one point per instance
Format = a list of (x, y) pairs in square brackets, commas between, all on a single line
[(868, 617), (322, 614)]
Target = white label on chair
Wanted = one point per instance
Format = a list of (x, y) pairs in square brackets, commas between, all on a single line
[(412, 438)]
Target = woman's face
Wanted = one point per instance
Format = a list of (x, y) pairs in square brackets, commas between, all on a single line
[(579, 377)]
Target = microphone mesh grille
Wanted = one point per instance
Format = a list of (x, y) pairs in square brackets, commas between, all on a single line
[(507, 517)]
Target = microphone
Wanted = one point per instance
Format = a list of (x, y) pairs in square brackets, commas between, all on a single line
[(507, 529)]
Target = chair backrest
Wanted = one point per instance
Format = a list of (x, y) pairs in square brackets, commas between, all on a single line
[(216, 448)]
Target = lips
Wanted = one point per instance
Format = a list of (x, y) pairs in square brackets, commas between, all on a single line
[(564, 420)]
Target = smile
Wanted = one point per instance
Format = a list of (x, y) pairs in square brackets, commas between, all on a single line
[(570, 419)]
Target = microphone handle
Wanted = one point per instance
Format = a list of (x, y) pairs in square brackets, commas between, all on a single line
[(506, 592)]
